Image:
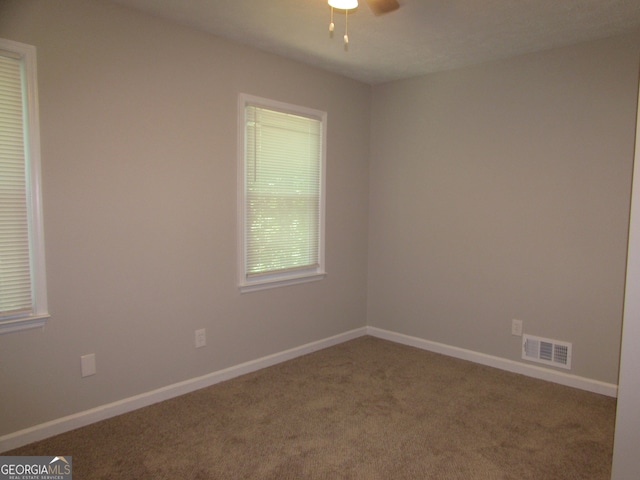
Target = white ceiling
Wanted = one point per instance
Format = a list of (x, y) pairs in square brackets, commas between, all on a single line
[(421, 37)]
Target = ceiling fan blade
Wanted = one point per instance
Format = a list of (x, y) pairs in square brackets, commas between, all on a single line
[(380, 7)]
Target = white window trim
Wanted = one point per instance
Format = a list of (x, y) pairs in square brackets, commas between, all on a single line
[(36, 227), (278, 279)]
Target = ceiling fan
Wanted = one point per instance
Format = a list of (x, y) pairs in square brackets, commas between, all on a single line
[(378, 7)]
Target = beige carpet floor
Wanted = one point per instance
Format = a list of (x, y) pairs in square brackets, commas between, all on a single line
[(365, 409)]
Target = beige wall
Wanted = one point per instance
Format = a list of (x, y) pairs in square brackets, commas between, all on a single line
[(138, 127), (494, 192), (502, 191)]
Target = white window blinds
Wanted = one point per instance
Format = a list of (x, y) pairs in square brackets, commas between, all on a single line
[(15, 266), (283, 188), (22, 295)]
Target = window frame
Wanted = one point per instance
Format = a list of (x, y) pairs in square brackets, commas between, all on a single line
[(249, 283), (39, 312)]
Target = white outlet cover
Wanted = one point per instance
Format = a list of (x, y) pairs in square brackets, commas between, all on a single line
[(88, 364), (201, 338), (516, 327)]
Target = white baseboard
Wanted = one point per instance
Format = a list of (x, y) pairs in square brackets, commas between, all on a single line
[(541, 373), (81, 419)]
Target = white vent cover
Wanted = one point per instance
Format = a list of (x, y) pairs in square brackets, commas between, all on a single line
[(544, 350)]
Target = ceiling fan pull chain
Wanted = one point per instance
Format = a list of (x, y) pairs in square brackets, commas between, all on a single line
[(345, 5), (346, 27), (331, 25)]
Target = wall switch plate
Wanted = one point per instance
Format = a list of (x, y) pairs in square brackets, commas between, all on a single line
[(516, 327), (201, 338), (88, 364)]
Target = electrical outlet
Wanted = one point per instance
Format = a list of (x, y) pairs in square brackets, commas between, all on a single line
[(516, 327), (88, 364), (201, 338)]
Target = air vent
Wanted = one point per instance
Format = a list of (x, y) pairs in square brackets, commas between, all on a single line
[(544, 350)]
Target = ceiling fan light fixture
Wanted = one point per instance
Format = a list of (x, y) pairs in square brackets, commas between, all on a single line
[(343, 4)]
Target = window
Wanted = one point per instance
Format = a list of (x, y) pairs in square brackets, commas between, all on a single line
[(281, 193), (23, 299)]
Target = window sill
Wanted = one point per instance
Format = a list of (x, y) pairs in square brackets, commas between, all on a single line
[(19, 324), (281, 282)]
